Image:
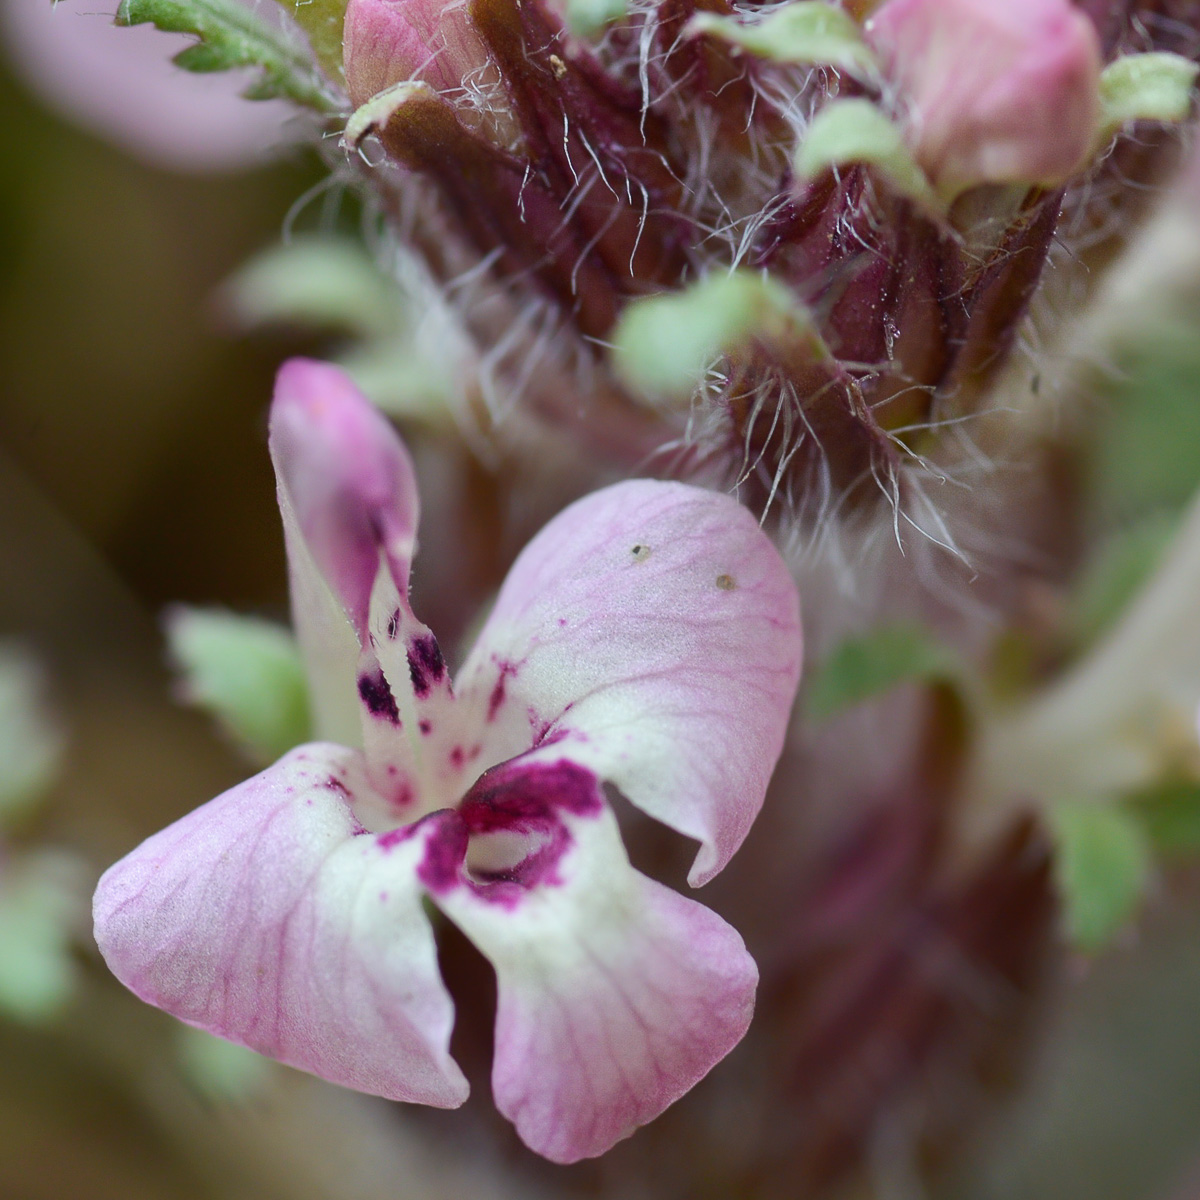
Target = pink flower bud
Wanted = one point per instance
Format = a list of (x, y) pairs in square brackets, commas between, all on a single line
[(387, 41), (994, 91)]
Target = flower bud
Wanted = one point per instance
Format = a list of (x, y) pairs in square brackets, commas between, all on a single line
[(387, 41), (992, 92)]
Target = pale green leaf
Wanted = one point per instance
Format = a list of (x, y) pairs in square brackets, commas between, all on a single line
[(1102, 867), (31, 742), (232, 36), (1116, 574), (1145, 87), (43, 905), (863, 667), (849, 132), (222, 1072), (318, 281), (663, 344), (807, 33), (247, 673), (588, 17), (1170, 814)]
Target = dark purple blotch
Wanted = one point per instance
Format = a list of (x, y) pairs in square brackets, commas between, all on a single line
[(377, 696), (425, 664), (445, 853)]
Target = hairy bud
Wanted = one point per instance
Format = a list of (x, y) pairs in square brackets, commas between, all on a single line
[(992, 93)]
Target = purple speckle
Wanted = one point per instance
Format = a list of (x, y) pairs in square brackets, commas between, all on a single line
[(377, 696), (425, 664), (497, 697), (334, 784), (457, 757), (426, 727), (561, 622)]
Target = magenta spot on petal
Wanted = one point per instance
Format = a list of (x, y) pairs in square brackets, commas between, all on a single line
[(514, 793), (393, 837), (383, 896), (561, 622), (456, 757), (528, 799), (445, 853), (377, 696), (425, 663), (497, 697), (425, 727)]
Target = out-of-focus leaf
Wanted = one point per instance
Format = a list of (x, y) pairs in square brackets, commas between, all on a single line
[(867, 666), (1145, 87), (320, 281), (222, 1072), (1117, 573), (43, 904), (663, 344), (805, 32), (1102, 865), (30, 741), (232, 36), (848, 132), (586, 17), (1145, 456), (247, 672), (1170, 814)]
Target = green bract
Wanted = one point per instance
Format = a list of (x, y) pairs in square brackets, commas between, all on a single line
[(849, 132), (862, 667), (232, 36), (807, 32), (664, 344), (1102, 866), (1145, 87), (247, 673)]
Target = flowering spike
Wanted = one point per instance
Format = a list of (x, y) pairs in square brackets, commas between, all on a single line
[(992, 93)]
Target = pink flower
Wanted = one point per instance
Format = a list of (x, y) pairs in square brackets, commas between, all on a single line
[(121, 84), (647, 638), (387, 41), (994, 91)]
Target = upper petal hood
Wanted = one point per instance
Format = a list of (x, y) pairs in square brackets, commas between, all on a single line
[(651, 632), (348, 498)]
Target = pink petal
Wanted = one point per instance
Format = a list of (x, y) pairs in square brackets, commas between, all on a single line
[(651, 633), (121, 84), (270, 917), (996, 92), (345, 482), (386, 41), (616, 995)]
